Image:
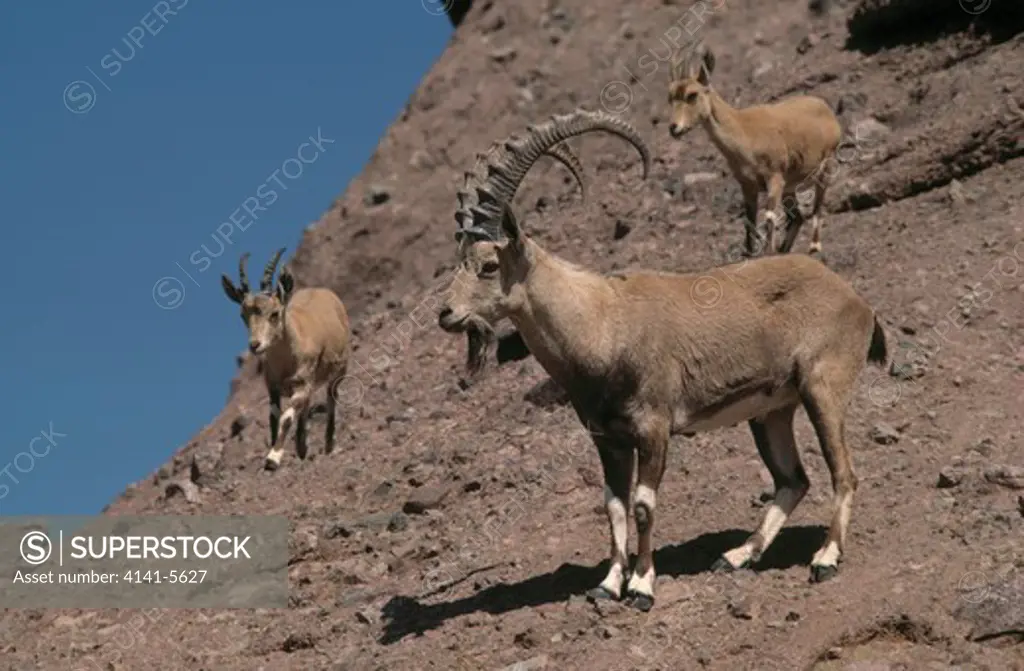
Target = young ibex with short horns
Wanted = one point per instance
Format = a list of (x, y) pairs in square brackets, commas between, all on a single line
[(302, 340), (646, 355), (477, 271), (775, 147)]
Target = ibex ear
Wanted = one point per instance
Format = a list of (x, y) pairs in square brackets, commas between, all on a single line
[(233, 292), (285, 284), (707, 65), (510, 227)]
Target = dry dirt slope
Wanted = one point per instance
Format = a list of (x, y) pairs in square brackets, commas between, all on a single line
[(927, 222)]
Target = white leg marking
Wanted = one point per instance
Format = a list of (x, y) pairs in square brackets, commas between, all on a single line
[(778, 512), (815, 235), (737, 557), (613, 581), (771, 223), (830, 553), (642, 584), (617, 517), (646, 496), (286, 419), (827, 556), (845, 506), (274, 456)]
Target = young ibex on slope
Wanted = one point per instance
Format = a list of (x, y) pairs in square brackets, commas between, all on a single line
[(302, 340), (774, 147), (646, 355), (477, 271)]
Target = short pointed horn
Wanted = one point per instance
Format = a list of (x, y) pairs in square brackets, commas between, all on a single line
[(243, 281), (678, 64), (268, 272)]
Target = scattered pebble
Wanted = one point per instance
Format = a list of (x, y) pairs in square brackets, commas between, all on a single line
[(884, 434)]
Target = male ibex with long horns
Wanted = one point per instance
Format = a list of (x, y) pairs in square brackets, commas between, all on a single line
[(477, 272), (302, 339), (646, 355), (773, 148)]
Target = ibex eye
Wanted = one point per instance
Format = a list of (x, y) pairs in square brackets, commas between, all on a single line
[(691, 97)]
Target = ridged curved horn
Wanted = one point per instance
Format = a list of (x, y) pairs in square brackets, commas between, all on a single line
[(478, 202), (243, 281), (564, 155), (506, 175), (268, 272)]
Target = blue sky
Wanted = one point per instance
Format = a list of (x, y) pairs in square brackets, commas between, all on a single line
[(128, 135)]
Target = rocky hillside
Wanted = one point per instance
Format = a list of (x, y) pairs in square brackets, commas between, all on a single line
[(456, 529)]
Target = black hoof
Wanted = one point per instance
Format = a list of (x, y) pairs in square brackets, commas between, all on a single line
[(722, 565), (599, 593), (823, 573), (270, 465), (640, 601)]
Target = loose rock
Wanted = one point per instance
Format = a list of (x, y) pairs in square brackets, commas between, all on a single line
[(532, 664), (424, 499), (884, 434), (298, 641), (1006, 476), (398, 522), (503, 55), (741, 609), (950, 477), (239, 424), (997, 611), (376, 195), (700, 178)]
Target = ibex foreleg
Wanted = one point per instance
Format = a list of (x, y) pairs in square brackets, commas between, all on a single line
[(298, 404), (617, 463)]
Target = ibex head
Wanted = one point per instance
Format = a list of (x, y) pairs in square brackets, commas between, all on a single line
[(473, 295), (263, 313), (689, 88), (476, 299)]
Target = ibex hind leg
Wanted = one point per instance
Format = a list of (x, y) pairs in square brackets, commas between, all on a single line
[(776, 444), (819, 196), (333, 389), (331, 404), (771, 212), (753, 245), (650, 469), (794, 221), (301, 446), (825, 398)]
